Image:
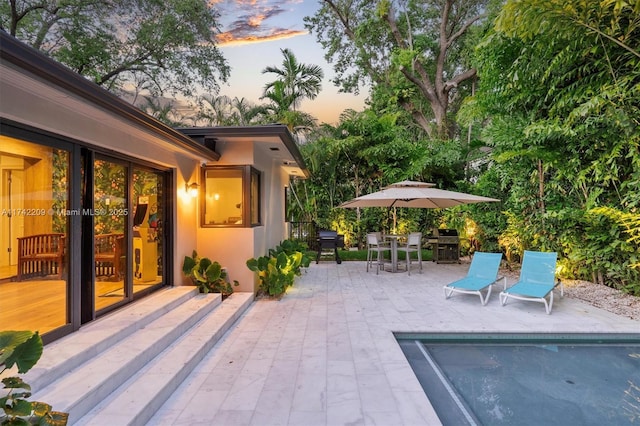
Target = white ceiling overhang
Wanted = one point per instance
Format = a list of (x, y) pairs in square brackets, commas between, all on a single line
[(271, 141)]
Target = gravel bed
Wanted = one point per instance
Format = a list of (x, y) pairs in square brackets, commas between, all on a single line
[(604, 297)]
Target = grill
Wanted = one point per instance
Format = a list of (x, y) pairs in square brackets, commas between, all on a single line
[(328, 243), (446, 246)]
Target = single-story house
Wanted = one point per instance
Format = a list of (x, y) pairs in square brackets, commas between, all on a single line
[(100, 202)]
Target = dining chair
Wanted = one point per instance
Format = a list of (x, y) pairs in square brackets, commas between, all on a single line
[(375, 245), (414, 245)]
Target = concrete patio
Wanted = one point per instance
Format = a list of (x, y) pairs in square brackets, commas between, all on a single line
[(325, 354)]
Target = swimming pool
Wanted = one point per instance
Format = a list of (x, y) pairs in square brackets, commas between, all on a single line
[(528, 379)]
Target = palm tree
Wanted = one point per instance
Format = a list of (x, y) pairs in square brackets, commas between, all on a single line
[(295, 81), (278, 110), (244, 112), (164, 110), (216, 110), (224, 111), (280, 100)]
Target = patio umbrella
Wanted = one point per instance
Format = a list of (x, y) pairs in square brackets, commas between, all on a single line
[(414, 194)]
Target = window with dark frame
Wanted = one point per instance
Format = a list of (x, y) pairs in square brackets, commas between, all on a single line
[(231, 197), (255, 198)]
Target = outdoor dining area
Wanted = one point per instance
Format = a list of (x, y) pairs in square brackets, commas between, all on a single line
[(378, 245), (383, 249)]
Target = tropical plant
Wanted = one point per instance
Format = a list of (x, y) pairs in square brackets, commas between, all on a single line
[(278, 110), (277, 270), (366, 151), (558, 105), (208, 276), (291, 247), (295, 81), (225, 111), (276, 273), (23, 349)]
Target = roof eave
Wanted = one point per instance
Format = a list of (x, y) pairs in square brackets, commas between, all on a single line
[(279, 130), (15, 52)]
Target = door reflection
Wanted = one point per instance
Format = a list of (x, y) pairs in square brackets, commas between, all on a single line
[(147, 229), (110, 213)]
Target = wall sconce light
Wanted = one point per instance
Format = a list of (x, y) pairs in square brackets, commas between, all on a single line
[(191, 189)]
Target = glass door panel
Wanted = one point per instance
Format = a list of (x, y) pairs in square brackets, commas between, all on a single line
[(148, 222), (110, 211), (34, 223)]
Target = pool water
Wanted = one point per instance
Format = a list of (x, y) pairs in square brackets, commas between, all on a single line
[(529, 379)]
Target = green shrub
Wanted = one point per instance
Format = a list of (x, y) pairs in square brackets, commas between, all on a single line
[(290, 247), (278, 269), (208, 276)]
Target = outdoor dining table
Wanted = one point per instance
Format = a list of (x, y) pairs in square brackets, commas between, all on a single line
[(393, 238)]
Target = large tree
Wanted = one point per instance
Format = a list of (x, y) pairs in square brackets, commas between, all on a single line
[(412, 49), (161, 45)]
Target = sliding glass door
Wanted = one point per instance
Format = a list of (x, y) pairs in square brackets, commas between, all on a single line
[(34, 231), (110, 222), (128, 219), (65, 264)]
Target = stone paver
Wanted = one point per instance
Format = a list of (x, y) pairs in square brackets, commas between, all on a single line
[(325, 354)]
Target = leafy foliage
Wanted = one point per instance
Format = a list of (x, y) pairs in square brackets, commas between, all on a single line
[(412, 51), (559, 104), (295, 81), (277, 270), (292, 247), (298, 81), (363, 153), (208, 276), (224, 111), (160, 45), (23, 349)]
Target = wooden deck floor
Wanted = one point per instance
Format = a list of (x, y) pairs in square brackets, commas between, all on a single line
[(41, 304)]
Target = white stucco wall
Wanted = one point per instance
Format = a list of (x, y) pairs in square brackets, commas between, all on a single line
[(185, 235), (232, 247)]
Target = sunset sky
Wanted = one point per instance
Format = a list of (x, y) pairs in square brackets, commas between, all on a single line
[(254, 31)]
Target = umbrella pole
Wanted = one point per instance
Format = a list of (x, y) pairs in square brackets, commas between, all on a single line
[(395, 229)]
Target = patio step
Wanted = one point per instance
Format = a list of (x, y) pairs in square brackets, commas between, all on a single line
[(112, 350), (68, 353), (140, 397), (82, 388)]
